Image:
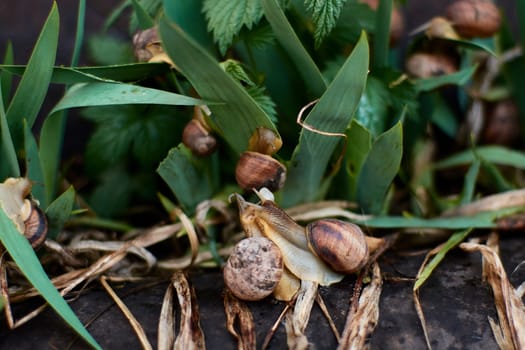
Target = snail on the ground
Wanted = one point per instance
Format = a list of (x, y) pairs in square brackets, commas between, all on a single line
[(330, 244), (256, 167), (474, 18), (253, 269)]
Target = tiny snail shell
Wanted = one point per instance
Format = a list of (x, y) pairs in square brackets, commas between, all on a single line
[(255, 170), (36, 226), (340, 244), (264, 141), (474, 18), (253, 269), (198, 139), (427, 65)]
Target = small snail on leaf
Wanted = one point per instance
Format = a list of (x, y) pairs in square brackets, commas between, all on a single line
[(256, 167), (28, 218)]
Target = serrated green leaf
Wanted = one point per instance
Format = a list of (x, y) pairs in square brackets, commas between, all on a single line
[(95, 94), (239, 115), (59, 211), (324, 15), (34, 83), (25, 258), (235, 69), (333, 113), (312, 77), (191, 179), (114, 73), (379, 169), (226, 18)]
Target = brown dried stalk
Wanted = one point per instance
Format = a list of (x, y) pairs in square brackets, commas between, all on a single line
[(236, 310)]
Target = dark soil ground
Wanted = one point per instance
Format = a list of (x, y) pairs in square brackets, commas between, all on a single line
[(456, 302)]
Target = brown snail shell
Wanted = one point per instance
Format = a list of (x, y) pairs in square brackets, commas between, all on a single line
[(146, 44), (264, 141), (253, 269), (340, 244), (474, 18), (198, 139), (36, 226), (427, 65), (502, 126), (255, 170)]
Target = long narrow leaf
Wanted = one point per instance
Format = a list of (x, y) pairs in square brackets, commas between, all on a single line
[(35, 81), (95, 94), (493, 154), (286, 36), (382, 33), (34, 167), (122, 73), (7, 148), (379, 169), (24, 256), (239, 116), (333, 113), (5, 78)]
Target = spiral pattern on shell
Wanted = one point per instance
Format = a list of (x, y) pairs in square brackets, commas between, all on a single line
[(340, 244)]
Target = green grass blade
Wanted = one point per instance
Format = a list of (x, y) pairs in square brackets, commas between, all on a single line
[(59, 212), (79, 35), (191, 179), (452, 242), (470, 182), (492, 154), (480, 220), (24, 256), (382, 33), (379, 169), (122, 73), (358, 146), (459, 78), (144, 19), (107, 94), (33, 167), (239, 116), (188, 15), (33, 86), (94, 94), (332, 113), (7, 148), (6, 80), (286, 36)]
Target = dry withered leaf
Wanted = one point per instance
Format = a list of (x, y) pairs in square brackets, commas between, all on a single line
[(236, 310), (297, 319), (361, 323), (190, 334), (509, 333)]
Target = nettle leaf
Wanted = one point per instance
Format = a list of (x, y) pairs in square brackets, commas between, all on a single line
[(226, 18), (257, 92), (324, 15), (143, 132)]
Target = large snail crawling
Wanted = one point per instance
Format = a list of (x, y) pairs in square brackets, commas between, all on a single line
[(25, 213), (322, 253)]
